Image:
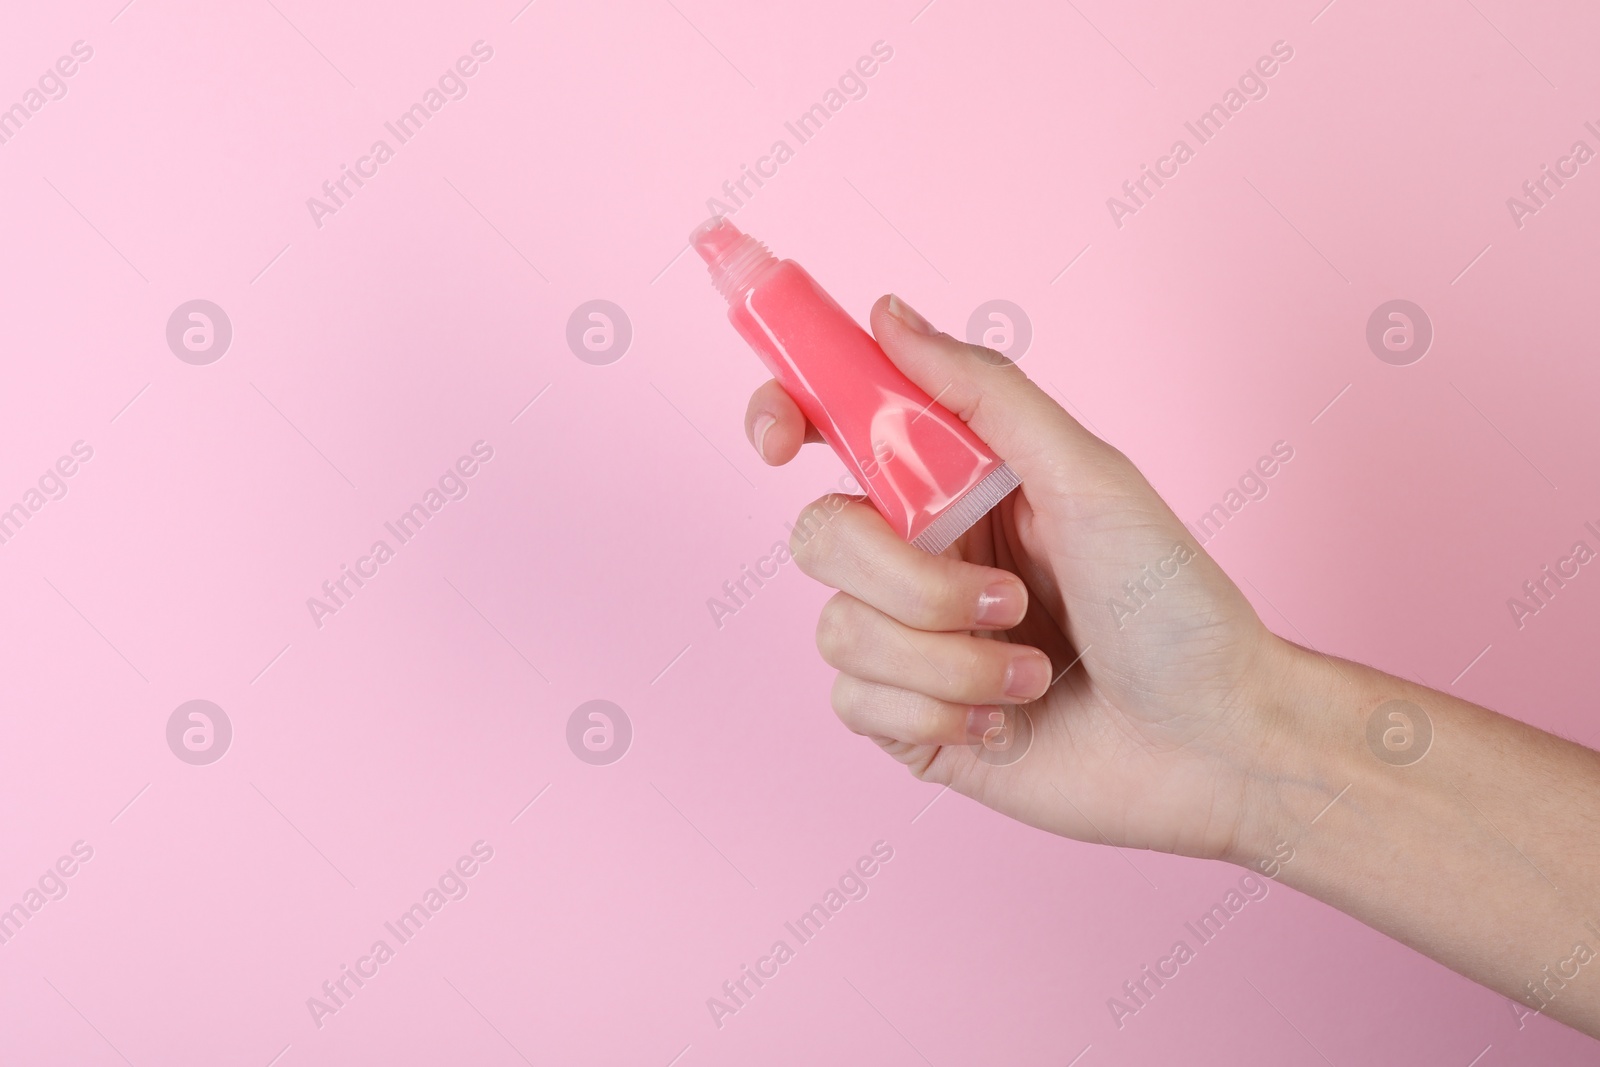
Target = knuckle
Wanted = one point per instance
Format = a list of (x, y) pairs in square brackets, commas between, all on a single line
[(837, 627), (928, 606), (982, 668), (984, 354), (849, 701), (814, 538)]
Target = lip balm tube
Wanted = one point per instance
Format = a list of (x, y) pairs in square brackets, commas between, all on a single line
[(929, 476)]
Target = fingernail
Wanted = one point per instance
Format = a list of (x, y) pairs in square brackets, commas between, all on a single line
[(981, 718), (764, 422), (1002, 604), (908, 315), (1028, 676)]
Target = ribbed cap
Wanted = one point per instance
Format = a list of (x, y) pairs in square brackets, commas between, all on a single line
[(733, 258)]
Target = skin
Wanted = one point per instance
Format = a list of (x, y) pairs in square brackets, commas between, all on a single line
[(1186, 726)]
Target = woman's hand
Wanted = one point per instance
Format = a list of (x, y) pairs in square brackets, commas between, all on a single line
[(1081, 603), (1164, 715)]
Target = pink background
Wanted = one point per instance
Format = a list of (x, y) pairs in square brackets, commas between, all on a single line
[(369, 353)]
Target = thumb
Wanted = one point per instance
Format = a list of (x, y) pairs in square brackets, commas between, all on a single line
[(1043, 444)]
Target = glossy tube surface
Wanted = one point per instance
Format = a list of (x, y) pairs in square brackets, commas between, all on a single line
[(928, 475)]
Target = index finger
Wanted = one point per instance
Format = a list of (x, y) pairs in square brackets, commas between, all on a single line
[(843, 542)]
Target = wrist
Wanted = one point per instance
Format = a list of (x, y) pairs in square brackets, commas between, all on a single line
[(1307, 749)]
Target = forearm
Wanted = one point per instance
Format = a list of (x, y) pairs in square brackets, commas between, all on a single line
[(1484, 853)]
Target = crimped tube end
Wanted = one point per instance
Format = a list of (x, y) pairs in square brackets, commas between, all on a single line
[(971, 506)]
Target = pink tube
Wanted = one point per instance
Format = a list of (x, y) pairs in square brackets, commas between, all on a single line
[(928, 475)]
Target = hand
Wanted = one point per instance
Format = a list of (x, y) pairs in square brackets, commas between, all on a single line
[(1151, 721), (1166, 716)]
